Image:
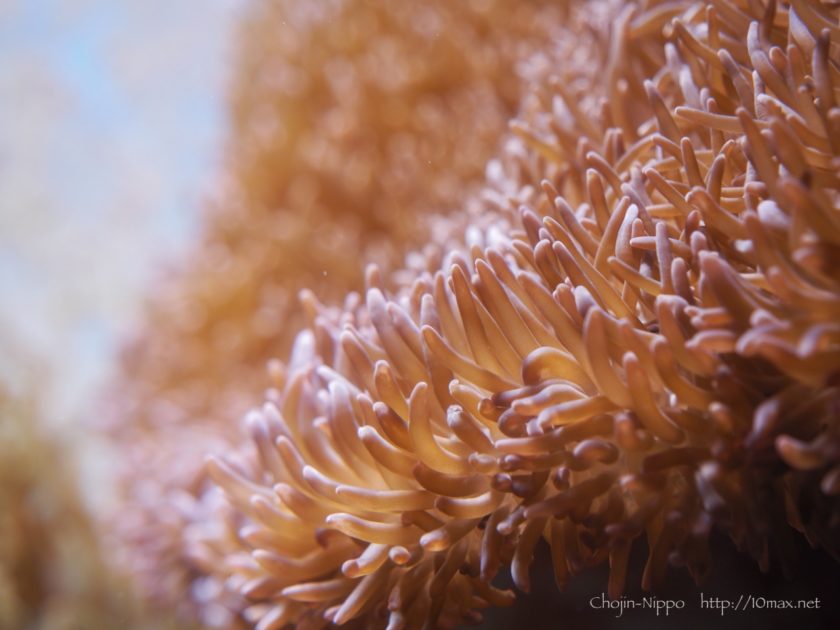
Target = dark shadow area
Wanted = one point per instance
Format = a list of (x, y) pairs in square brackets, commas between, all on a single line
[(733, 574)]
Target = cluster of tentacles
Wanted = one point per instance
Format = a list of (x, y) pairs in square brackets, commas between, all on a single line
[(351, 120), (637, 338)]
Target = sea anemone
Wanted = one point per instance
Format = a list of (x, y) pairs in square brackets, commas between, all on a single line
[(636, 338), (350, 122)]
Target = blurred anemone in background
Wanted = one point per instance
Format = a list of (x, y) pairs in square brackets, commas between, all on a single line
[(53, 575)]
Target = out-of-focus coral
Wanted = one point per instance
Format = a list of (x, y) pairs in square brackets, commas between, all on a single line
[(52, 573), (352, 121), (637, 338)]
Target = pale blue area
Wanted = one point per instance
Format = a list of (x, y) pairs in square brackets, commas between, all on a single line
[(112, 122), (76, 49)]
